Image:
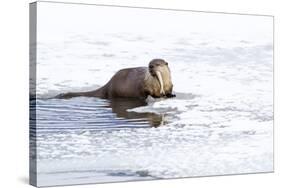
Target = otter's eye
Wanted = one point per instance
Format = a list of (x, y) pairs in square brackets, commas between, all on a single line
[(150, 66)]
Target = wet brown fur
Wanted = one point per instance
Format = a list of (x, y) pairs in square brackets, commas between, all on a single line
[(139, 82)]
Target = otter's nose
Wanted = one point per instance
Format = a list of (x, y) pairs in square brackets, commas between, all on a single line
[(150, 66)]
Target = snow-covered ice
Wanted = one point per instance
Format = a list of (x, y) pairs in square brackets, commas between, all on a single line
[(221, 121)]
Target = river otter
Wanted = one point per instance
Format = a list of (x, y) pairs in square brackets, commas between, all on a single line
[(140, 82)]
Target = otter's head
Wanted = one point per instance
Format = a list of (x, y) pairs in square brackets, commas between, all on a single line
[(158, 65), (159, 68)]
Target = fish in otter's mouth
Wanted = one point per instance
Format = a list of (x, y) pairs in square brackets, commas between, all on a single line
[(159, 77)]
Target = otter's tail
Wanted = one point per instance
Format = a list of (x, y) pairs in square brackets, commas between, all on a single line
[(101, 93), (68, 95)]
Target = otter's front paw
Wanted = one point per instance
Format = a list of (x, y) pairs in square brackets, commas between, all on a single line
[(170, 95)]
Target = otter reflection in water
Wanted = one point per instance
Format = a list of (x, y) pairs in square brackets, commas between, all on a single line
[(120, 106), (140, 82)]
